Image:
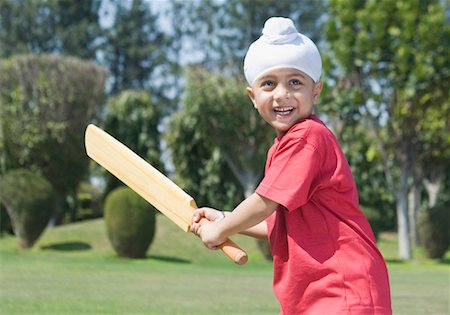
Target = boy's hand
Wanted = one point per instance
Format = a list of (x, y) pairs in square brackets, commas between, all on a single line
[(204, 225), (208, 213)]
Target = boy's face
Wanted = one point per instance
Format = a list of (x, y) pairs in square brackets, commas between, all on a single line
[(284, 96)]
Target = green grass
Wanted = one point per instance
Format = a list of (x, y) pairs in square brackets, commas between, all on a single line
[(73, 270), (420, 287)]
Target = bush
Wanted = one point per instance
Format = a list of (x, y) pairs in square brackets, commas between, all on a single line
[(264, 248), (46, 101), (5, 221), (373, 216), (29, 201), (434, 231), (87, 204), (130, 222)]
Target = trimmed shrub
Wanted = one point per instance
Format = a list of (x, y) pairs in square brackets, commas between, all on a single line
[(46, 101), (29, 201), (434, 231), (373, 216), (130, 222)]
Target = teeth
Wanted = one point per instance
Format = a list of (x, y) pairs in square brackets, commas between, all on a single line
[(283, 110)]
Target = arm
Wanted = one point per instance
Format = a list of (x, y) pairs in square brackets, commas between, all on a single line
[(245, 219), (258, 231)]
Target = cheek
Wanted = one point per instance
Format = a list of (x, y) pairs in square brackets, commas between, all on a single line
[(259, 101)]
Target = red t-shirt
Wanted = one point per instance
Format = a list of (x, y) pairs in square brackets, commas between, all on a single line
[(325, 257)]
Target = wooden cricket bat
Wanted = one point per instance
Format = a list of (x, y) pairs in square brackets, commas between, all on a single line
[(149, 183)]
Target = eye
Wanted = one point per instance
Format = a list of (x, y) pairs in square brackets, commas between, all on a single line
[(267, 83), (296, 82)]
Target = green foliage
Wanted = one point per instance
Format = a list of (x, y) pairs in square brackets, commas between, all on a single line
[(220, 31), (434, 230), (134, 46), (54, 26), (89, 203), (133, 118), (46, 101), (29, 200), (374, 218), (388, 68), (5, 221), (218, 141), (130, 223), (367, 168), (200, 169), (264, 247)]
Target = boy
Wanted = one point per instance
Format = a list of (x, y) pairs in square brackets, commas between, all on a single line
[(324, 252)]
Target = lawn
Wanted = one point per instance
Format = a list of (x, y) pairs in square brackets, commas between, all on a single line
[(73, 270)]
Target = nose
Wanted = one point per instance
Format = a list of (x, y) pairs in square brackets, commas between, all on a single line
[(281, 92)]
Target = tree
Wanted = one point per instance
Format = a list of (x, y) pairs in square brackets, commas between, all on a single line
[(217, 33), (46, 101), (365, 162), (133, 118), (218, 140), (392, 73), (55, 26), (134, 47), (242, 23)]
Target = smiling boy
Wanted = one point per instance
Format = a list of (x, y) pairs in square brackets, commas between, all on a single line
[(325, 257)]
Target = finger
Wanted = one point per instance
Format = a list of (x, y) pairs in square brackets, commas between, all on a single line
[(213, 247), (195, 229), (198, 215), (195, 218)]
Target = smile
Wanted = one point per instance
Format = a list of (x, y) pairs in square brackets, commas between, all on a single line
[(283, 111)]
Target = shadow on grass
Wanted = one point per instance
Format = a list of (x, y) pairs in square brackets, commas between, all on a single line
[(444, 261), (394, 261), (170, 259), (68, 246)]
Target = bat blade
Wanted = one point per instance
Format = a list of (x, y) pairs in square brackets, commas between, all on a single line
[(140, 176), (149, 183)]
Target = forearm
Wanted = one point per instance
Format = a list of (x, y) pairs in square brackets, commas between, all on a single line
[(248, 217), (258, 231)]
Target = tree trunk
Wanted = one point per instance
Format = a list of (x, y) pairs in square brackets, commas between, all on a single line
[(246, 177), (414, 201), (432, 187), (404, 245)]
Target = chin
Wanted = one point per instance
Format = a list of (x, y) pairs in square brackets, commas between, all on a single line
[(283, 130)]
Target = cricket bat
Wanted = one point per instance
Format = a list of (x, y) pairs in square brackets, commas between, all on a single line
[(149, 183)]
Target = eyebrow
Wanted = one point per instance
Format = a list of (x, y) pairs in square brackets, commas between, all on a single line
[(297, 73), (290, 74)]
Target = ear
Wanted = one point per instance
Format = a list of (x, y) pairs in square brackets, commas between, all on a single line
[(251, 94), (317, 90)]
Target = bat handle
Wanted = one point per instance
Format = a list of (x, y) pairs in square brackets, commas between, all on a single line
[(234, 252)]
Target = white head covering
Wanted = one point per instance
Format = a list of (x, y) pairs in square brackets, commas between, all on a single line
[(281, 46)]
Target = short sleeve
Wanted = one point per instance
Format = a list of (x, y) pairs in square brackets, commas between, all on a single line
[(292, 176)]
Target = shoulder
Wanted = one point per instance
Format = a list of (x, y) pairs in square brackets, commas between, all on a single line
[(311, 130)]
